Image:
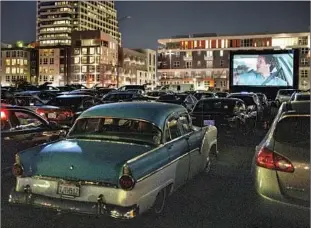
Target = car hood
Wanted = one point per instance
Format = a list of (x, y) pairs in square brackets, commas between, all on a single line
[(73, 159)]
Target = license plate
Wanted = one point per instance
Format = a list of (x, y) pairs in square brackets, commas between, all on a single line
[(52, 115), (68, 190), (209, 122)]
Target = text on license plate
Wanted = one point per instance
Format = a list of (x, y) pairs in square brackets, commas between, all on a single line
[(52, 115), (68, 190), (209, 122)]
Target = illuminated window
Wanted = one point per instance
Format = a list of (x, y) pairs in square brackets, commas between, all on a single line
[(17, 70), (189, 54), (92, 51), (84, 69), (13, 70), (25, 61), (51, 71), (51, 78), (97, 59), (17, 61), (7, 70), (21, 70), (8, 62), (84, 51), (195, 44), (209, 53), (13, 62), (222, 44), (21, 62), (221, 53), (84, 60), (77, 51), (92, 59), (98, 50), (77, 60)]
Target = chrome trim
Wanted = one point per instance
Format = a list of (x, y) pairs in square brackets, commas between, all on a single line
[(80, 182), (144, 154), (161, 168)]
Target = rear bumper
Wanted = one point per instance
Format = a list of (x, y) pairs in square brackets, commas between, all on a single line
[(65, 205)]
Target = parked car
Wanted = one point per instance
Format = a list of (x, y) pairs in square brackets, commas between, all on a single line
[(21, 129), (119, 159), (284, 95), (227, 114), (121, 96), (263, 100), (252, 103), (301, 96), (281, 165), (186, 100), (65, 109), (44, 96)]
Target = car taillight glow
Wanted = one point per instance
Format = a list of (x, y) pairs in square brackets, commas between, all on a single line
[(271, 160), (17, 170), (68, 114), (126, 182), (3, 115), (40, 112)]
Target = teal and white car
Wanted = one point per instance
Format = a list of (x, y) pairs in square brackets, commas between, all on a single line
[(119, 159)]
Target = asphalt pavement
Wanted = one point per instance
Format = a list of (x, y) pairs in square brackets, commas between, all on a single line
[(222, 198)]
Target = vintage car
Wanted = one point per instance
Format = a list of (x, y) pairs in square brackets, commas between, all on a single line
[(118, 159)]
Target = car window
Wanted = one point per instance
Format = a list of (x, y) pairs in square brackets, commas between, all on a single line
[(185, 123), (173, 130), (23, 120)]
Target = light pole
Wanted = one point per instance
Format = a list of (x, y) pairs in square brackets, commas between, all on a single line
[(119, 46)]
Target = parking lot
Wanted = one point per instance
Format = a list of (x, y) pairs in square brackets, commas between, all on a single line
[(222, 198)]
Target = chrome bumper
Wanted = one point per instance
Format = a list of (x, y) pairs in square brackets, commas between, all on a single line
[(65, 205)]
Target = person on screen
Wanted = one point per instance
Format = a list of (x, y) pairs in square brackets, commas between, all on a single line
[(265, 74)]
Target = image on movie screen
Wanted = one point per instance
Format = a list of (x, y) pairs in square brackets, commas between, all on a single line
[(263, 70)]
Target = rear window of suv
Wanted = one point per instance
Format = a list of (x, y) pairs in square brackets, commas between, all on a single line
[(294, 130)]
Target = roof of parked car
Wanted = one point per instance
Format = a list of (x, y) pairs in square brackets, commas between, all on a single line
[(153, 112)]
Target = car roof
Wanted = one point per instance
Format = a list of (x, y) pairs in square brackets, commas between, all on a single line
[(302, 107), (221, 99), (153, 112)]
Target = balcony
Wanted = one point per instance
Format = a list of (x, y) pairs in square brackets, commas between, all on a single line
[(188, 58)]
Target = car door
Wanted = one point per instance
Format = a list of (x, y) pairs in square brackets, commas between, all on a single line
[(177, 147), (194, 143), (31, 130)]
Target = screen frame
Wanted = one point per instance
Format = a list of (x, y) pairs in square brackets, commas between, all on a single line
[(239, 88)]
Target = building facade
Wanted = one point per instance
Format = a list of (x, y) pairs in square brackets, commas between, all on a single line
[(204, 59), (15, 63), (94, 58), (151, 65), (134, 67), (56, 20)]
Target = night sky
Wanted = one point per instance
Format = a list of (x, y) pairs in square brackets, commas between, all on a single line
[(153, 20)]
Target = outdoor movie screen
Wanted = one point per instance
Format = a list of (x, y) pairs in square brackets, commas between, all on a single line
[(263, 69)]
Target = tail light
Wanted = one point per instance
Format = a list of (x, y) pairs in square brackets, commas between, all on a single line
[(68, 114), (126, 181), (17, 170), (41, 112), (3, 115), (271, 160)]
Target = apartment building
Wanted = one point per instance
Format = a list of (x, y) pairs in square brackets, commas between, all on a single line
[(150, 78), (94, 58), (56, 21), (15, 62), (204, 59), (134, 67)]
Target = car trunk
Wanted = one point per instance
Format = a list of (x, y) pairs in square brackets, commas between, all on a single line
[(295, 185), (81, 159), (220, 118)]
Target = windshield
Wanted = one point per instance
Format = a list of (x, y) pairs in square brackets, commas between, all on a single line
[(221, 94), (299, 133), (248, 100), (215, 105), (66, 101), (118, 129), (118, 97)]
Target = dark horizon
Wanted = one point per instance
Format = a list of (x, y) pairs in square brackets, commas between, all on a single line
[(148, 25)]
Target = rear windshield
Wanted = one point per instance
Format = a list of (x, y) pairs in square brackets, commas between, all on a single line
[(294, 130), (118, 97), (286, 92), (303, 97), (214, 105), (66, 101), (167, 98), (248, 100)]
